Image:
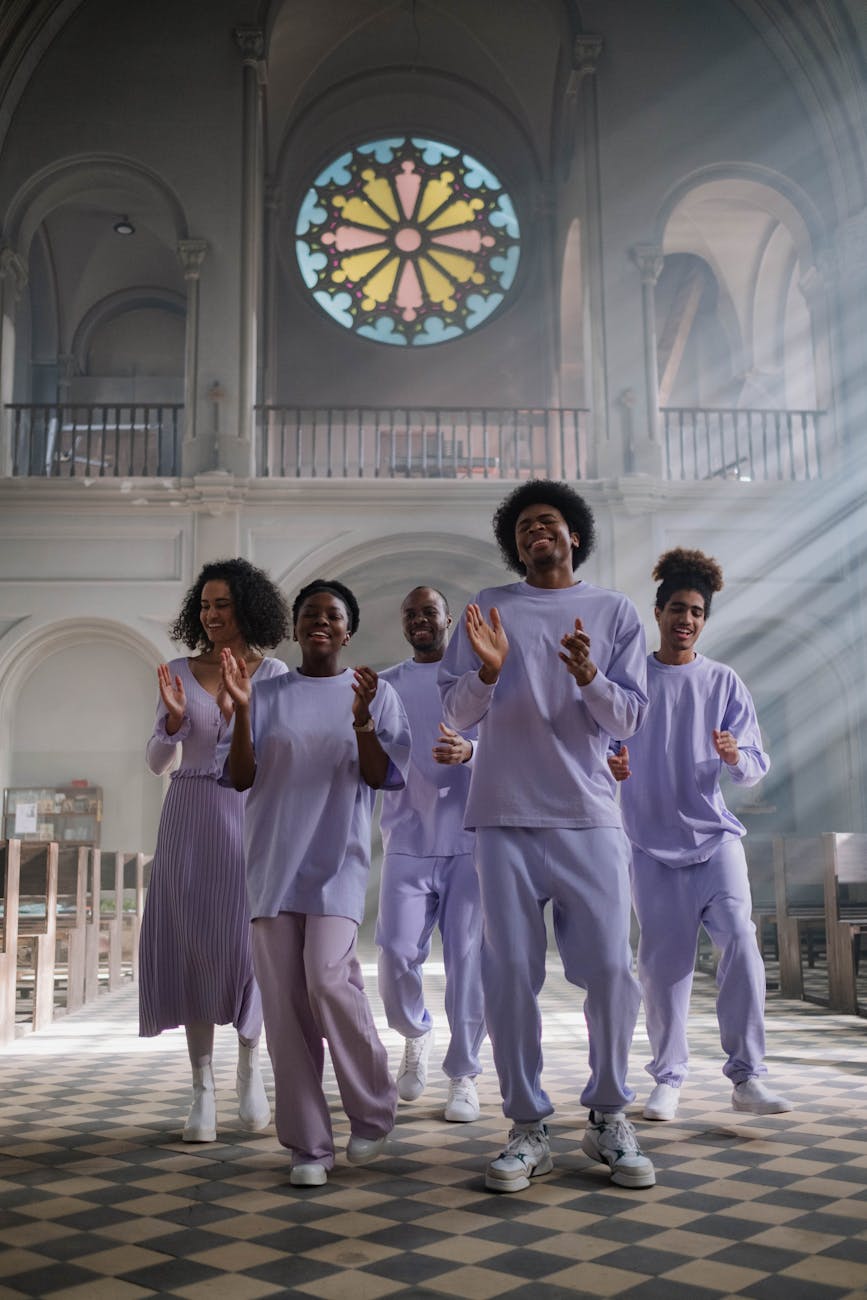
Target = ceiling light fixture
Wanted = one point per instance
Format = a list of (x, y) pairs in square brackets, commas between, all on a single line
[(123, 226)]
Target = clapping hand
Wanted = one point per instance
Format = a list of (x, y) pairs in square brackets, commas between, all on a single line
[(365, 684), (577, 657), (489, 641), (451, 746), (173, 696), (235, 679), (619, 764)]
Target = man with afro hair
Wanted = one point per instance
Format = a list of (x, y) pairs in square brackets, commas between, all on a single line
[(550, 669), (688, 864)]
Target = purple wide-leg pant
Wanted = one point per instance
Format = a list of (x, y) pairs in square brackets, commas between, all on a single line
[(671, 903), (312, 990), (415, 894), (585, 875)]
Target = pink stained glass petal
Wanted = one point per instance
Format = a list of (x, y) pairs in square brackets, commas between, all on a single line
[(469, 241), (407, 185), (409, 292), (350, 237)]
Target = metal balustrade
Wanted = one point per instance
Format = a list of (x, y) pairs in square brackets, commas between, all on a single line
[(96, 440), (718, 442), (421, 442)]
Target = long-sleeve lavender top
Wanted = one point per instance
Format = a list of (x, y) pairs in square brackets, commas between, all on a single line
[(426, 818), (672, 804), (307, 824), (543, 740)]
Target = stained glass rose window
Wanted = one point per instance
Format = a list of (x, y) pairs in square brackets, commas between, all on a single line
[(407, 241)]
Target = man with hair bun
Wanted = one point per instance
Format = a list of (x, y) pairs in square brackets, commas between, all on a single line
[(550, 668), (688, 863)]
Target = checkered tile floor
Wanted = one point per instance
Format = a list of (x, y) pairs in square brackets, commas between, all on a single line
[(99, 1198)]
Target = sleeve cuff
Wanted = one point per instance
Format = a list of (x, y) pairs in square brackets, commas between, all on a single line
[(596, 689), (181, 734)]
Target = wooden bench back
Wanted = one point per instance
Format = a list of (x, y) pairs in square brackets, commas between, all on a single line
[(759, 851), (801, 874)]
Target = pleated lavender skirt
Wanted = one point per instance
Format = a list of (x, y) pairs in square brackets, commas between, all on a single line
[(195, 959)]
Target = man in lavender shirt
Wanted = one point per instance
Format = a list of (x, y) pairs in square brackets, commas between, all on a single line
[(428, 877), (550, 669), (688, 864)]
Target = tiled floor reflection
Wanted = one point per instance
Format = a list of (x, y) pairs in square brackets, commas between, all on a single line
[(99, 1198)]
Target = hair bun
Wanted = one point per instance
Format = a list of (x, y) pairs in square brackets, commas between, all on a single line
[(690, 566)]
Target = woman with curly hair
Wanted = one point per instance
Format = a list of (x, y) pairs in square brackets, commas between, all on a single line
[(312, 748), (196, 965), (688, 864)]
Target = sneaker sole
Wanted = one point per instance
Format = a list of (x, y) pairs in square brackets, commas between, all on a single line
[(760, 1108), (658, 1115), (316, 1178), (521, 1181), (622, 1177), (460, 1119)]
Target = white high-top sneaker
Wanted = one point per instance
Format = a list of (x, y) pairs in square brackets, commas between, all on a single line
[(254, 1109), (201, 1125)]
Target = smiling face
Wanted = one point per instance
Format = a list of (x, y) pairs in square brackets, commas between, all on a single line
[(217, 613), (543, 541), (322, 630), (425, 623), (680, 622)]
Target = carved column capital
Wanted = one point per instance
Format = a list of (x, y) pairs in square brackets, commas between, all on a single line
[(585, 56), (13, 269), (192, 253), (649, 259), (251, 43)]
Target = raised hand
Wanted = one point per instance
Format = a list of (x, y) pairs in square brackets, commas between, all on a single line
[(451, 746), (726, 746), (489, 641), (365, 684), (235, 679), (173, 696), (577, 657), (619, 764)]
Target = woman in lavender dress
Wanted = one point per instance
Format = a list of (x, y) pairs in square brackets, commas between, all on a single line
[(196, 965)]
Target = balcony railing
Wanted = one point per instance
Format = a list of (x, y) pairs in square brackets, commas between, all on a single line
[(95, 441), (421, 442), (705, 443)]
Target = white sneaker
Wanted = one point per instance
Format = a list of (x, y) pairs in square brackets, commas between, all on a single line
[(254, 1109), (611, 1139), (753, 1096), (662, 1102), (360, 1151), (526, 1155), (310, 1175), (412, 1075), (201, 1125), (462, 1106)]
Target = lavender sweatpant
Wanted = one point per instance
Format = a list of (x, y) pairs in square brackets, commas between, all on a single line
[(414, 895), (585, 875), (312, 990), (671, 903)]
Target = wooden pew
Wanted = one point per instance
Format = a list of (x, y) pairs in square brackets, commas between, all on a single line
[(37, 927), (799, 887), (72, 905), (10, 859), (845, 863)]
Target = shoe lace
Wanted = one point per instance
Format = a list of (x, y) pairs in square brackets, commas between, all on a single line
[(412, 1052), (461, 1090), (524, 1141), (618, 1135)]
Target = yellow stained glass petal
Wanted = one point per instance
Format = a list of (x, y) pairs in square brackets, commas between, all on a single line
[(436, 193), (361, 264), (378, 190), (379, 287), (457, 214), (439, 289), (359, 210), (459, 268)]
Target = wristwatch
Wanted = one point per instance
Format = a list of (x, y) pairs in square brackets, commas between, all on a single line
[(369, 725)]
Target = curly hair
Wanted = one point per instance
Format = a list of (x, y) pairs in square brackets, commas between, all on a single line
[(261, 611), (337, 589), (682, 570), (544, 491)]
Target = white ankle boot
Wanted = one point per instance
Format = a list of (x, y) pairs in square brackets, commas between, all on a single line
[(254, 1109), (201, 1125)]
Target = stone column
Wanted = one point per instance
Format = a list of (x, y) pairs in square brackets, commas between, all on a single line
[(194, 458), (648, 452), (586, 52), (251, 42), (13, 281)]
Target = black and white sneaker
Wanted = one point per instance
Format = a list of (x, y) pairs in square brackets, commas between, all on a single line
[(611, 1139), (526, 1155)]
